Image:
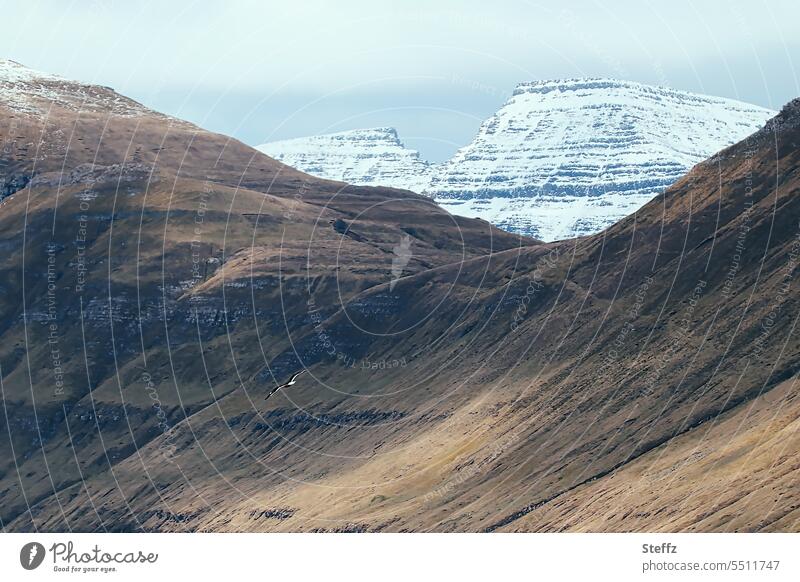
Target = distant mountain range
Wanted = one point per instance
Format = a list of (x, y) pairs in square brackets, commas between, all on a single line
[(365, 157), (559, 159)]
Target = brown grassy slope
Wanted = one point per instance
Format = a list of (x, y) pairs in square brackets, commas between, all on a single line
[(124, 236), (737, 472)]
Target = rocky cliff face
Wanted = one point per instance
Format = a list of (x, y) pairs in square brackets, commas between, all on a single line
[(560, 158)]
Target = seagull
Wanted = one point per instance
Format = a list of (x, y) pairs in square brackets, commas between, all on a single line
[(292, 381)]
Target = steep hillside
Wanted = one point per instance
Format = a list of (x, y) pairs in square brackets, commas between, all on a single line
[(133, 243)]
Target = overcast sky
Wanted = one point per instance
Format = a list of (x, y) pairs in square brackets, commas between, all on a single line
[(434, 69)]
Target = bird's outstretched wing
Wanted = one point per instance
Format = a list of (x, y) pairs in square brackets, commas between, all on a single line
[(294, 377), (286, 385), (274, 390)]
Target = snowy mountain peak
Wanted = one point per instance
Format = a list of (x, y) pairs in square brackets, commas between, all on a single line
[(14, 72), (371, 157), (563, 85), (377, 132), (33, 92), (607, 88), (563, 158), (580, 84)]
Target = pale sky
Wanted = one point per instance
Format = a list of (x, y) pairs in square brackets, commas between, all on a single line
[(433, 69)]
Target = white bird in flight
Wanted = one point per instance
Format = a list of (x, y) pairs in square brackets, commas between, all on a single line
[(292, 381)]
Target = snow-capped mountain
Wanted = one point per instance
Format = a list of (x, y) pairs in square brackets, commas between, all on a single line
[(366, 157), (559, 159), (34, 98), (566, 158)]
